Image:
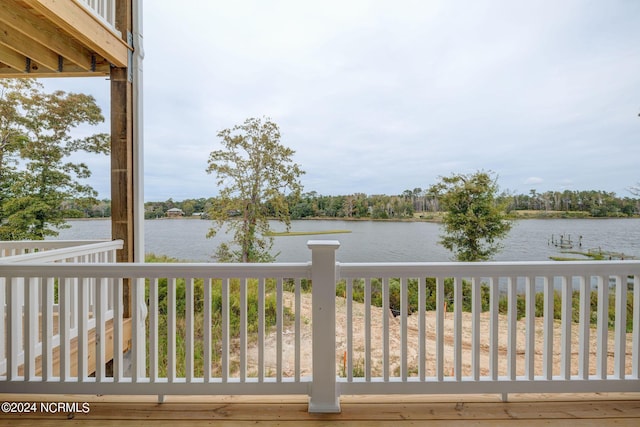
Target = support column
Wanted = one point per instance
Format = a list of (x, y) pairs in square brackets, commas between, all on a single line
[(122, 163), (324, 393), (122, 173)]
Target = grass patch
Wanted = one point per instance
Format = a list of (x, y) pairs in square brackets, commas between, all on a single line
[(596, 256), (306, 233)]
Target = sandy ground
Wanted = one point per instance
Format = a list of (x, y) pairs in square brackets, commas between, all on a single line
[(359, 356)]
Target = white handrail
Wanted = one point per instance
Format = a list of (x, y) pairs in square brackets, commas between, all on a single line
[(20, 247), (63, 252)]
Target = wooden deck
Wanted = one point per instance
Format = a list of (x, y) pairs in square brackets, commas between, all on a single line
[(486, 410)]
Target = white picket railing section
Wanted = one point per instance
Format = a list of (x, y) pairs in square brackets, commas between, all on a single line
[(247, 328), (34, 300), (492, 352)]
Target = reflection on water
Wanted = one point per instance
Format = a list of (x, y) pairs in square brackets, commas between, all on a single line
[(369, 241)]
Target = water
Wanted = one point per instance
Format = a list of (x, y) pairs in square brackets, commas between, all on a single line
[(371, 241)]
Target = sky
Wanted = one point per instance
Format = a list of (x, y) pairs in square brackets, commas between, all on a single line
[(378, 97)]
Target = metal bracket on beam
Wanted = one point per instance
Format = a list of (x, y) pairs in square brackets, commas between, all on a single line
[(130, 57), (93, 63), (60, 63), (27, 67)]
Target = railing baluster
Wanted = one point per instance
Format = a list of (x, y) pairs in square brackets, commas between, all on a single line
[(440, 312), (367, 328), (153, 329), (33, 330), (585, 319), (350, 326), (530, 350), (47, 329), (565, 369), (118, 337), (494, 335), (603, 326), (83, 329), (279, 328), (14, 326), (476, 309), (512, 316), (457, 334), (207, 330), (171, 329), (189, 332), (101, 308), (385, 328), (635, 354), (243, 330), (404, 314), (225, 330), (3, 318), (64, 299), (620, 327), (548, 328), (422, 328), (298, 326), (261, 329)]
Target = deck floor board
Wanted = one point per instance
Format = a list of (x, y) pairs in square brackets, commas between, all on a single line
[(485, 410)]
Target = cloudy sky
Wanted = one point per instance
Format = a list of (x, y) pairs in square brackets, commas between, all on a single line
[(383, 96)]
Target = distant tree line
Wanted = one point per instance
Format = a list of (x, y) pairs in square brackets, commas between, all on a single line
[(410, 203), (593, 203)]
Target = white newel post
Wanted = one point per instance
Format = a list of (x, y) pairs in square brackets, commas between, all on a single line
[(324, 394)]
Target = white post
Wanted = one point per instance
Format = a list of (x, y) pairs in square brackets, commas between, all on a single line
[(324, 394)]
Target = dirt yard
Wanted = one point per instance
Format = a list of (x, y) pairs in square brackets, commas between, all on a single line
[(413, 342)]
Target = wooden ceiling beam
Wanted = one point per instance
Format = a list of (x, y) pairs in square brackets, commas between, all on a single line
[(13, 40), (13, 59), (72, 70), (46, 34), (88, 29)]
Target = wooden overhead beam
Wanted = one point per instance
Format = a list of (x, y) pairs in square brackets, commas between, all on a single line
[(84, 26), (13, 59), (46, 34), (102, 70), (13, 40)]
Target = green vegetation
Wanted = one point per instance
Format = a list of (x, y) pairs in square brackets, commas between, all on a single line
[(474, 219), (216, 317), (37, 174), (412, 205), (253, 171)]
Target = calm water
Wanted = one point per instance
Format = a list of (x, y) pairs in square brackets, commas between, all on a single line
[(378, 241)]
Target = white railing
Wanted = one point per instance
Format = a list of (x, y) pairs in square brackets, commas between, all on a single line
[(34, 302), (256, 328), (105, 10), (464, 343), (21, 247)]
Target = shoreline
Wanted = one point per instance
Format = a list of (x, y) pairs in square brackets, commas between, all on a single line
[(434, 217)]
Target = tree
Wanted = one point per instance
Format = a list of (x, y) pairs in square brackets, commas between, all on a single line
[(37, 137), (474, 220), (253, 170)]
